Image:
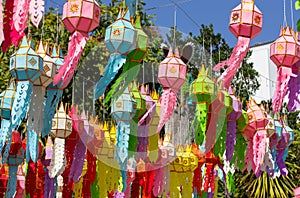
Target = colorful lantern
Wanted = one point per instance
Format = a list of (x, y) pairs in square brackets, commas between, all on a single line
[(6, 105), (204, 92), (80, 17), (123, 110), (285, 52), (61, 129), (171, 75), (53, 93), (245, 24), (120, 40)]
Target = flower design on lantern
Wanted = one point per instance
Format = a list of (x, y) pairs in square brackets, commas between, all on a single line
[(245, 24), (284, 53)]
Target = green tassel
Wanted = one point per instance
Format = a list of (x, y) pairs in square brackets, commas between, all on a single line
[(239, 151), (219, 147), (133, 139), (201, 111)]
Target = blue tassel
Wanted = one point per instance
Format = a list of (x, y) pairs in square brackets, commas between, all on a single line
[(32, 142), (124, 178), (122, 141), (12, 182), (115, 62), (4, 132), (53, 98)]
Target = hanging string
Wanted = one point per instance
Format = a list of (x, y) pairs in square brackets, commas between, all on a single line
[(143, 72), (284, 14), (136, 7), (83, 95), (203, 49), (43, 24), (73, 91), (292, 14), (57, 26), (175, 24), (211, 59)]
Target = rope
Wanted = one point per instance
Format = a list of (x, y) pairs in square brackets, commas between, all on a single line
[(284, 14), (292, 14)]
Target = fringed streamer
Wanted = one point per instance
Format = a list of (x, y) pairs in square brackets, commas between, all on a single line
[(36, 11), (294, 89), (259, 149), (115, 62), (148, 182), (5, 131), (7, 24), (273, 144), (30, 183), (53, 97), (78, 161), (197, 180), (201, 120), (20, 183), (133, 139), (58, 161), (12, 181), (71, 60), (21, 103), (209, 178), (1, 23), (78, 185), (122, 141), (49, 189), (32, 145), (230, 138), (220, 146), (19, 20), (142, 141), (239, 151), (174, 185), (90, 175), (135, 187), (283, 77), (130, 178), (3, 179), (234, 62), (282, 145), (268, 162), (168, 103), (249, 156), (131, 4), (129, 72)]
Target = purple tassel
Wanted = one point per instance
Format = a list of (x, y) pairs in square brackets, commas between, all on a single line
[(78, 161), (294, 89)]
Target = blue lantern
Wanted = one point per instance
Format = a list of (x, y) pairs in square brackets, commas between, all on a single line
[(120, 40)]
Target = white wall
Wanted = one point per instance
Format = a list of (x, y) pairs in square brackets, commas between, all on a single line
[(267, 71)]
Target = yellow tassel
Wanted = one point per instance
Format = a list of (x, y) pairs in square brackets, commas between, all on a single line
[(216, 187), (78, 186)]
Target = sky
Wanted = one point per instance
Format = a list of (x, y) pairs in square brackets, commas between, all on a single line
[(217, 13)]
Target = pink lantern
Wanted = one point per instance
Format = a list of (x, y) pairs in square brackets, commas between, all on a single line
[(285, 52), (245, 24), (171, 75), (80, 17)]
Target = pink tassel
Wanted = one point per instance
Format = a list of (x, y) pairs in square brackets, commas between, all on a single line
[(19, 20), (234, 62), (36, 11), (283, 76), (259, 149), (75, 49), (249, 156), (168, 103), (9, 6), (1, 23)]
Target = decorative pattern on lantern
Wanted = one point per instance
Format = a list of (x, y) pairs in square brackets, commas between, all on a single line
[(171, 75), (123, 110), (285, 52), (245, 24), (53, 93), (120, 40), (204, 92), (61, 129), (80, 17)]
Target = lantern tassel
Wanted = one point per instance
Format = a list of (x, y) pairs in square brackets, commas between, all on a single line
[(282, 144), (1, 23), (142, 142), (4, 132), (57, 164), (36, 11), (249, 156), (158, 183), (78, 161), (75, 49), (115, 62), (7, 24), (168, 104), (283, 77), (53, 97), (12, 181), (32, 145), (201, 120), (129, 73), (122, 143), (19, 20), (294, 89), (234, 62), (230, 138)]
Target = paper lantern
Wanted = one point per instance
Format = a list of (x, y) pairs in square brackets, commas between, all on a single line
[(6, 101), (245, 24), (61, 124), (120, 39), (80, 17), (284, 52), (204, 92)]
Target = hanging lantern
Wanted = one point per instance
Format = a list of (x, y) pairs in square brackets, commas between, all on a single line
[(120, 39), (123, 110), (204, 92), (80, 17), (285, 52), (7, 98), (61, 129), (132, 67), (53, 93), (245, 24), (171, 75)]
